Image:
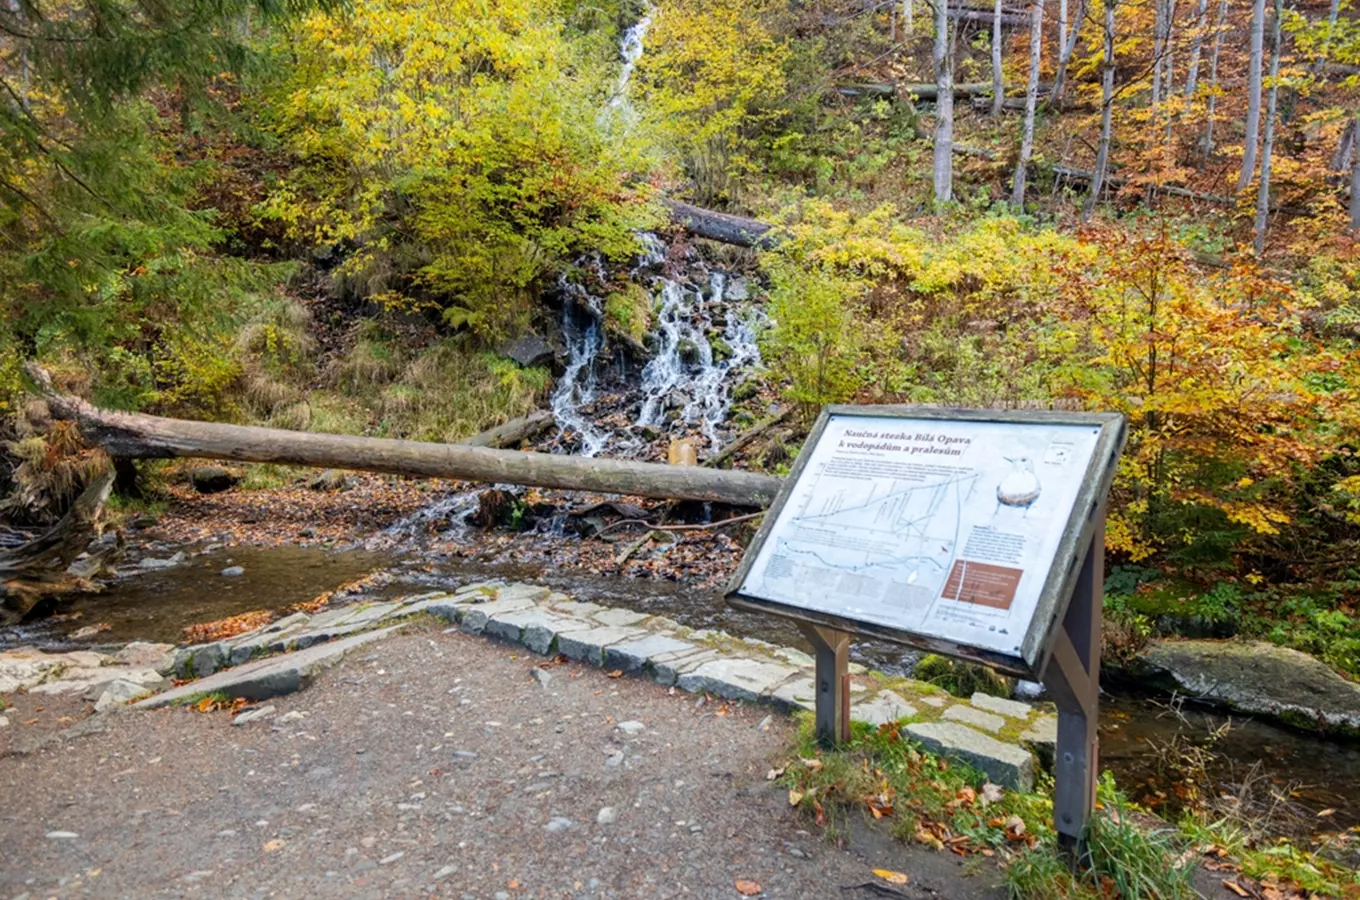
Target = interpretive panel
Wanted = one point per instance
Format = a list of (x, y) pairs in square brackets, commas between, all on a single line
[(943, 528)]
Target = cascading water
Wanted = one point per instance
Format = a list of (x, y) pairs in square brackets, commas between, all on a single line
[(578, 387), (631, 51)]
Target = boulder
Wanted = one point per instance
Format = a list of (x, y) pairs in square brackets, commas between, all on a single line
[(529, 351), (212, 479), (1257, 678)]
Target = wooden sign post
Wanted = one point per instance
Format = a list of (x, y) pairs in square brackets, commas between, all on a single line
[(972, 533)]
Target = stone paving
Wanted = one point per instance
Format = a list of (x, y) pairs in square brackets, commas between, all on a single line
[(1000, 738)]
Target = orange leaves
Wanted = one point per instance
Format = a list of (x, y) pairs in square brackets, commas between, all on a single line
[(892, 877), (214, 703), (748, 888), (231, 626)]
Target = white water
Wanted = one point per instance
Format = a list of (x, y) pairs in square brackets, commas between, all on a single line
[(631, 51)]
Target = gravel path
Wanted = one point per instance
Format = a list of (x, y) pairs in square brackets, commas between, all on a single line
[(436, 764)]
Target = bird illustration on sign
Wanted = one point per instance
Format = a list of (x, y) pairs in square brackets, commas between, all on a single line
[(1020, 487)]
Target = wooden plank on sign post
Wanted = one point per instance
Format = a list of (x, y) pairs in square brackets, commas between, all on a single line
[(832, 683)]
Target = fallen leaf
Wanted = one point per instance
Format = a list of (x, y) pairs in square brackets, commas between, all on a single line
[(1235, 888), (774, 773), (275, 844), (813, 764), (930, 840), (513, 884), (891, 877), (795, 797), (1015, 828), (1326, 812), (617, 673), (748, 888), (992, 793)]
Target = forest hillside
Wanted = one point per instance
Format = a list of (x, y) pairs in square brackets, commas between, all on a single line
[(334, 216)]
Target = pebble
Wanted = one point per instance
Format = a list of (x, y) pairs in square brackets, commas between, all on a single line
[(233, 571), (556, 824), (606, 816), (466, 754), (631, 728), (765, 723), (292, 716), (4, 721), (252, 715), (388, 860), (62, 835), (501, 895), (615, 760), (542, 676), (444, 873)]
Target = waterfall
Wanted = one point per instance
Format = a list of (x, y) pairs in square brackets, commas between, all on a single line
[(631, 51)]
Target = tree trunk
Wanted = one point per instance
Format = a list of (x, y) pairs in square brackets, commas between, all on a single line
[(1106, 115), (1065, 51), (998, 77), (1036, 46), (1213, 80), (1332, 14), (722, 227), (1196, 46), (1263, 190), (1062, 25), (153, 437), (908, 16), (1258, 30), (513, 432), (944, 106), (1355, 176), (1158, 50)]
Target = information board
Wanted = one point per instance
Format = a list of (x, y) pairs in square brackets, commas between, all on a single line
[(939, 527)]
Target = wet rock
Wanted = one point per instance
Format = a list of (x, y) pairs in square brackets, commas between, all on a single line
[(1258, 678), (542, 676), (212, 479), (233, 572), (152, 562), (529, 351)]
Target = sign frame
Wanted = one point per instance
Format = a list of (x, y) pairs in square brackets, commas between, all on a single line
[(1084, 521)]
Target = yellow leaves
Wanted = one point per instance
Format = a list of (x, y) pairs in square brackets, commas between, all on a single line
[(892, 877)]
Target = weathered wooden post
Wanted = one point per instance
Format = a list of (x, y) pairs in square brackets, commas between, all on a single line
[(979, 534)]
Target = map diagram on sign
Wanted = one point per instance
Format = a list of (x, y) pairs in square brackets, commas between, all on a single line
[(939, 527)]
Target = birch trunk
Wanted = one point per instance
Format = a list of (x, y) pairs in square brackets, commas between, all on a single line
[(1106, 115), (1213, 80), (1065, 50), (944, 107), (1263, 190), (1036, 46), (1332, 14), (1158, 50), (1196, 47), (908, 14), (1258, 31), (998, 78), (1355, 176)]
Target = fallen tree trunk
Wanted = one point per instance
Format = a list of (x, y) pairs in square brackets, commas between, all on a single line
[(38, 568), (515, 431), (1171, 190), (139, 436), (723, 227)]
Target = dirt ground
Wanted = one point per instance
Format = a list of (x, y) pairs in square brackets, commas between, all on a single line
[(435, 764)]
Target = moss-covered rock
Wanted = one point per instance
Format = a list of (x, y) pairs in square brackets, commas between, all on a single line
[(1257, 678), (960, 678)]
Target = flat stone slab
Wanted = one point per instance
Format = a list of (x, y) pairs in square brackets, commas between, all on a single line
[(974, 717), (272, 677), (884, 707), (446, 607), (737, 678), (475, 616), (619, 617), (801, 693), (1258, 678), (1005, 764), (535, 628), (1002, 707), (632, 656), (1042, 738), (588, 645), (668, 667)]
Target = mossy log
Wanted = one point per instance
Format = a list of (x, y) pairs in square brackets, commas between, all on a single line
[(139, 436)]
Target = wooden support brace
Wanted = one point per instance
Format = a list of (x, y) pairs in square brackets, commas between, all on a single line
[(832, 682)]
